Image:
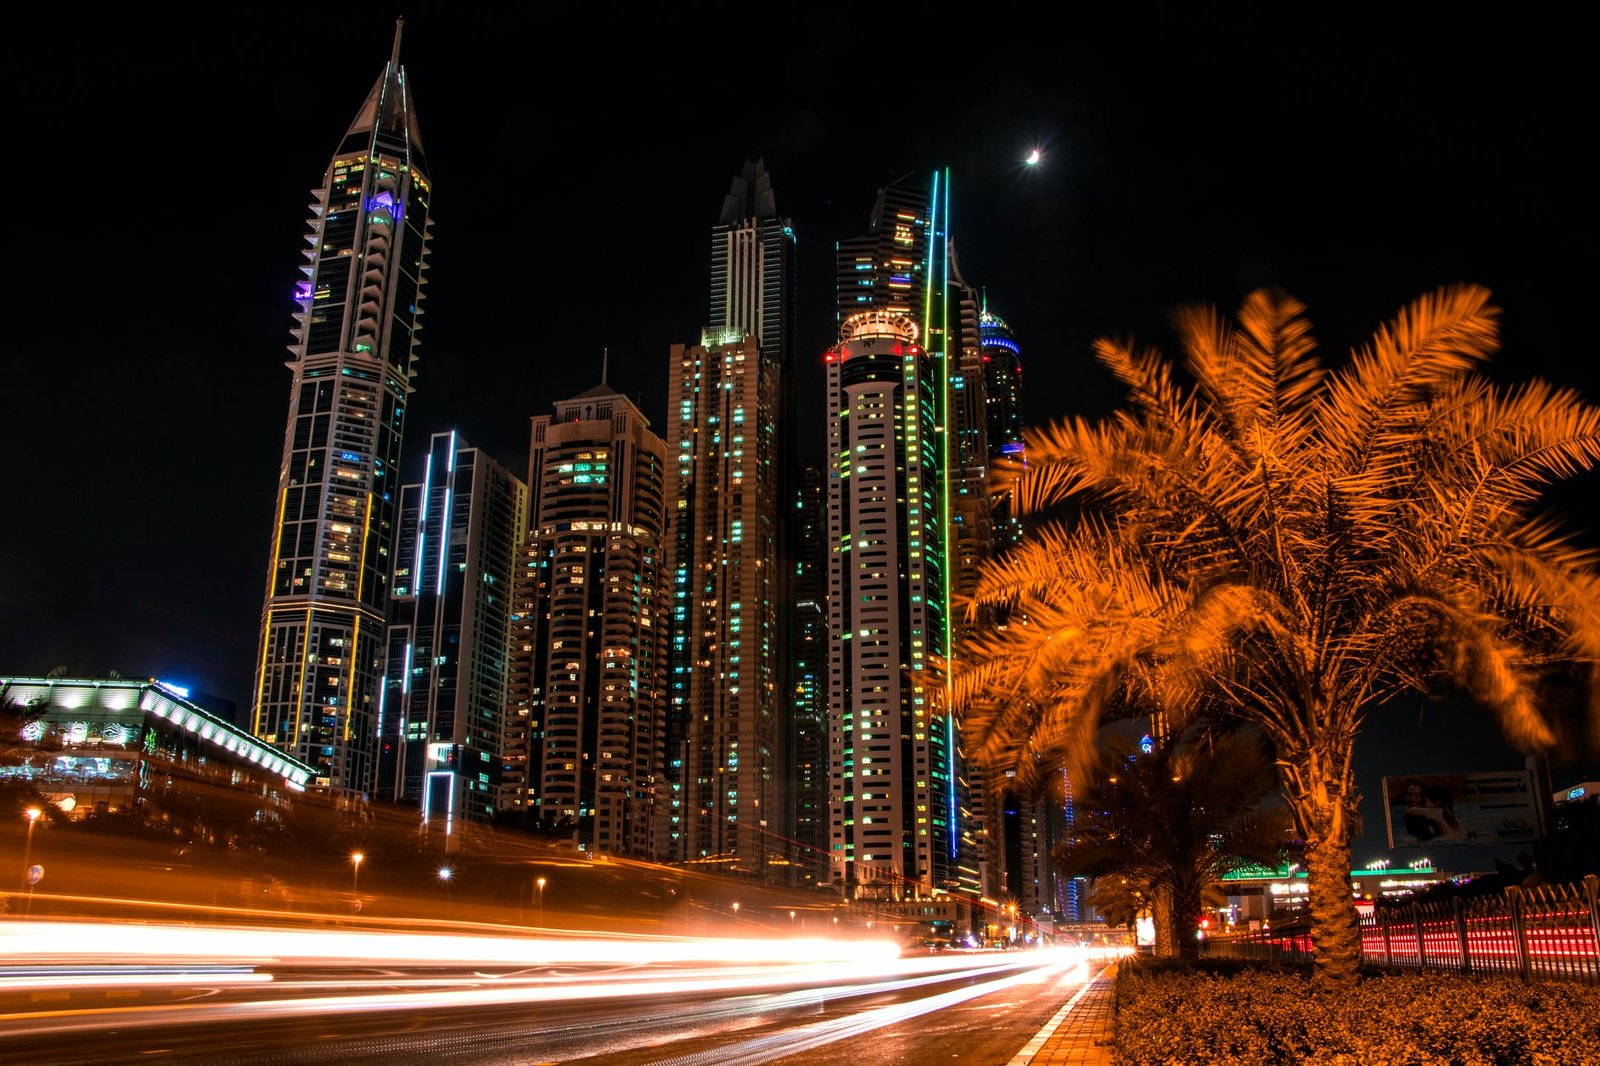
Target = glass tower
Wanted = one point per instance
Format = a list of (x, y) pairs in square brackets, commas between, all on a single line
[(441, 708), (1002, 379), (322, 623)]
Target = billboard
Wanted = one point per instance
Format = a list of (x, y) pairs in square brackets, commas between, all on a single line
[(1484, 809)]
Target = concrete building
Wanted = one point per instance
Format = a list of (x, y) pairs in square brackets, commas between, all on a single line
[(589, 630)]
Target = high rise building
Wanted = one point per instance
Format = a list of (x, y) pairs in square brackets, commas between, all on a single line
[(808, 702), (726, 585), (1002, 377), (589, 630), (322, 623), (753, 267), (971, 533), (729, 437), (443, 702), (892, 806)]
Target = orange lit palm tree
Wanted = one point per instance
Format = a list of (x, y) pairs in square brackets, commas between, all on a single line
[(1290, 545)]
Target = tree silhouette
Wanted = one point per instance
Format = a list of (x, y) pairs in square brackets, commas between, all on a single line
[(1173, 822)]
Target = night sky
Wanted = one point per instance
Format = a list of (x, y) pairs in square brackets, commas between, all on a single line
[(158, 188)]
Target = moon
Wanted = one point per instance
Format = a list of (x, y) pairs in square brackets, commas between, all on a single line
[(1033, 158)]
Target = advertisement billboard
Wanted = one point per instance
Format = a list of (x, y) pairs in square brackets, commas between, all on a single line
[(1483, 809)]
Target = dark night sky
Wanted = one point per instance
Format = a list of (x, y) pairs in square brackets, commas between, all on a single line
[(158, 190)]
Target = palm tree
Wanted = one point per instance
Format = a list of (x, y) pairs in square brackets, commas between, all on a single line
[(1177, 820), (1290, 546)]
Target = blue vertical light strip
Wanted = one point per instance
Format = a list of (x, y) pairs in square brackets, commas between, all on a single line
[(444, 542), (383, 690), (422, 530), (405, 678), (945, 563)]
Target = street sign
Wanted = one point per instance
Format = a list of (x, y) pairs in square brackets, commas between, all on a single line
[(35, 874)]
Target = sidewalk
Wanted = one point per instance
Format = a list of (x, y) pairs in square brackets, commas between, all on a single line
[(1080, 1033)]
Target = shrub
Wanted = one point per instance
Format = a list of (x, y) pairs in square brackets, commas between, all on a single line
[(1251, 1015)]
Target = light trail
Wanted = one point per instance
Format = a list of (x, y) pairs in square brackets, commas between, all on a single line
[(764, 1049), (100, 941), (812, 971), (65, 977)]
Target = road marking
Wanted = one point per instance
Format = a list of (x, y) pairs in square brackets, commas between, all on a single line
[(1031, 1048), (789, 1042)]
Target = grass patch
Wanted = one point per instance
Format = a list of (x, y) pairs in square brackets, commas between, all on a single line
[(1227, 1011)]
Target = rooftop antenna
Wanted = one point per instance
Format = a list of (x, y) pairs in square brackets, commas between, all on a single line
[(394, 56), (605, 358)]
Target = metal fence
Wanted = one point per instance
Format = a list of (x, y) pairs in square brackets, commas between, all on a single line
[(1548, 931)]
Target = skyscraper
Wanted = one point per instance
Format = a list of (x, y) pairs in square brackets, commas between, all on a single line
[(1002, 377), (808, 674), (892, 808), (322, 624), (443, 702), (971, 534), (753, 267), (589, 628), (728, 437)]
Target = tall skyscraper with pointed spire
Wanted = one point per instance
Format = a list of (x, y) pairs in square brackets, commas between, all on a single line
[(728, 436), (354, 352)]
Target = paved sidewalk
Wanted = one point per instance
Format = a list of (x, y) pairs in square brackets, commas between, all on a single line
[(1081, 1034)]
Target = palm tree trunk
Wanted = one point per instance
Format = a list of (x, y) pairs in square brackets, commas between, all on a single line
[(1161, 919), (1186, 906), (1321, 795)]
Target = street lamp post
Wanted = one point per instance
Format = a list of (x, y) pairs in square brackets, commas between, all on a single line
[(736, 914), (33, 814), (356, 859), (540, 921)]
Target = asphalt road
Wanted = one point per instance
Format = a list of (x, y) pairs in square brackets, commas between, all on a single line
[(978, 1008)]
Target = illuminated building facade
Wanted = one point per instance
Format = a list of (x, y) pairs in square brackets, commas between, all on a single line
[(1002, 378), (589, 630), (443, 702), (892, 804), (322, 623), (727, 439), (114, 744), (971, 534), (726, 585), (753, 267), (808, 744)]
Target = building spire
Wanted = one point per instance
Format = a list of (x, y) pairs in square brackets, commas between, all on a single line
[(605, 359), (394, 56)]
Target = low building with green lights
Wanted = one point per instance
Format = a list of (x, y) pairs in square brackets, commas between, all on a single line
[(1258, 893), (109, 745)]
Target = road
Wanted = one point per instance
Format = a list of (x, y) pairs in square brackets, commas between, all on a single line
[(88, 993)]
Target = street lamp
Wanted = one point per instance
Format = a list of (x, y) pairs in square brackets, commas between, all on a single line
[(735, 912), (540, 883), (791, 921), (33, 814), (356, 858)]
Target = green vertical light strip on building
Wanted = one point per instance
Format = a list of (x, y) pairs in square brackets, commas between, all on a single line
[(944, 498)]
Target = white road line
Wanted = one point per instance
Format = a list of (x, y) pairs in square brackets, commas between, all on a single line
[(1031, 1048), (788, 1042)]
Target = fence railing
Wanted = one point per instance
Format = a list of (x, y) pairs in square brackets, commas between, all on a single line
[(1547, 931)]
